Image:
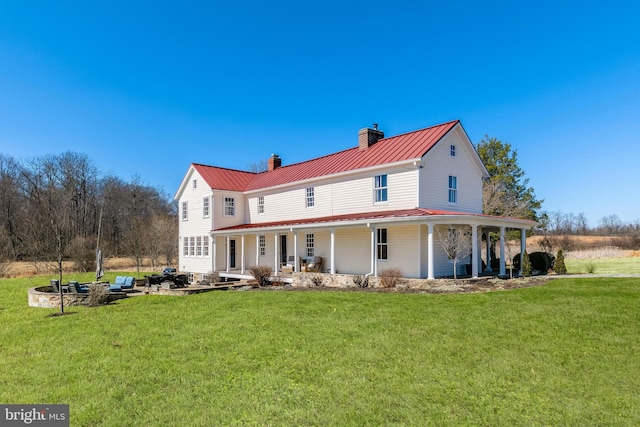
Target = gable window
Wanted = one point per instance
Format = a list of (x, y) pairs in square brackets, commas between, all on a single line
[(199, 246), (184, 211), (205, 245), (382, 243), (260, 204), (453, 150), (195, 184), (262, 244), (380, 188), (229, 206), (453, 189), (205, 207), (311, 251), (310, 197)]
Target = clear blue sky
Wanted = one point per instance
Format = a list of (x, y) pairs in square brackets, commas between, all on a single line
[(148, 88)]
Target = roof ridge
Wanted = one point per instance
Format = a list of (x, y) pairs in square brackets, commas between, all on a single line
[(222, 167), (422, 129)]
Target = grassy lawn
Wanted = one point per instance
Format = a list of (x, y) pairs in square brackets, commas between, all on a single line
[(565, 353), (628, 265)]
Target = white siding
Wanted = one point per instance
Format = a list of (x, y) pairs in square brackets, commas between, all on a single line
[(403, 250), (337, 197), (353, 251), (439, 165), (196, 225)]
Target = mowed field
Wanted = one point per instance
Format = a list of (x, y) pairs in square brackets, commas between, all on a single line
[(562, 353)]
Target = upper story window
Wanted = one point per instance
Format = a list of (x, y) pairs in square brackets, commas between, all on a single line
[(453, 150), (262, 245), (380, 188), (205, 207), (453, 189), (260, 204), (311, 250), (195, 184), (381, 244), (229, 206), (310, 198), (184, 211)]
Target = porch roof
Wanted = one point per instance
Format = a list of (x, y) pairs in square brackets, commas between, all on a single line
[(403, 215)]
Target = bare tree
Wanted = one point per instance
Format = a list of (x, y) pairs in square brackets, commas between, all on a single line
[(456, 242)]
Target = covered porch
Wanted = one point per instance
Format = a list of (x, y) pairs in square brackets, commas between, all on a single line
[(354, 244)]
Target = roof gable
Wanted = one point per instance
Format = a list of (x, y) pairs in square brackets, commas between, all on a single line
[(404, 147)]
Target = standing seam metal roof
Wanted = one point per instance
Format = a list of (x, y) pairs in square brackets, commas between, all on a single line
[(407, 146)]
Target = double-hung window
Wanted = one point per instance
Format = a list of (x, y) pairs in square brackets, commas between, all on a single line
[(310, 197), (262, 244), (380, 188), (199, 246), (260, 204), (381, 244), (205, 245), (192, 246), (311, 251), (185, 246), (184, 211), (229, 206), (453, 190), (453, 150), (205, 207)]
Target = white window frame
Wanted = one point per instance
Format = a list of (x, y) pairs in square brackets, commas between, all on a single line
[(310, 200), (453, 190), (262, 244), (185, 211), (311, 246), (453, 150), (192, 246), (185, 246), (206, 207), (382, 244), (380, 188), (195, 184), (229, 206), (260, 205), (205, 246), (199, 246)]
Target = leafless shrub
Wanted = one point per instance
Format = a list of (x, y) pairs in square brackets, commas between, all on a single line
[(261, 273), (98, 295), (360, 280), (390, 277)]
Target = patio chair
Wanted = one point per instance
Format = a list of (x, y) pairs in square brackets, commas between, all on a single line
[(315, 264), (119, 283), (77, 287), (291, 259), (129, 282)]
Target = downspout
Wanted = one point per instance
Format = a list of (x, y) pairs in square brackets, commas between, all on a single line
[(373, 251)]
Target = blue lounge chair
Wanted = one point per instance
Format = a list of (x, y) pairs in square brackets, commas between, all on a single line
[(77, 287), (129, 282)]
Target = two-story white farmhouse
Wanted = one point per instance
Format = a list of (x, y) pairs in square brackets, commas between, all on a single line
[(365, 209)]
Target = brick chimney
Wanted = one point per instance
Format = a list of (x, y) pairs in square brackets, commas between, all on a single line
[(367, 137), (274, 162)]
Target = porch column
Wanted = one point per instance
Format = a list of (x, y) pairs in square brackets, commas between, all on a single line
[(257, 249), (228, 254), (373, 251), (275, 256), (214, 252), (333, 251), (488, 241), (503, 259), (474, 250), (296, 261), (523, 247), (430, 272), (242, 256)]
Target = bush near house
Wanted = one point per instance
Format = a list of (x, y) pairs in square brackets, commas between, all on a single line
[(261, 273), (390, 277)]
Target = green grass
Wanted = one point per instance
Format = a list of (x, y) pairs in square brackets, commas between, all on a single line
[(629, 265), (565, 353)]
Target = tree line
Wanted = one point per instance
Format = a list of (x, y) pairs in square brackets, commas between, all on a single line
[(57, 208)]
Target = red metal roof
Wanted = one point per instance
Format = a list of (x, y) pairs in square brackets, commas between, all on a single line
[(407, 146), (367, 216)]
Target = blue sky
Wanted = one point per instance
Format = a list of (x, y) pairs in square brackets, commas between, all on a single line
[(148, 88)]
